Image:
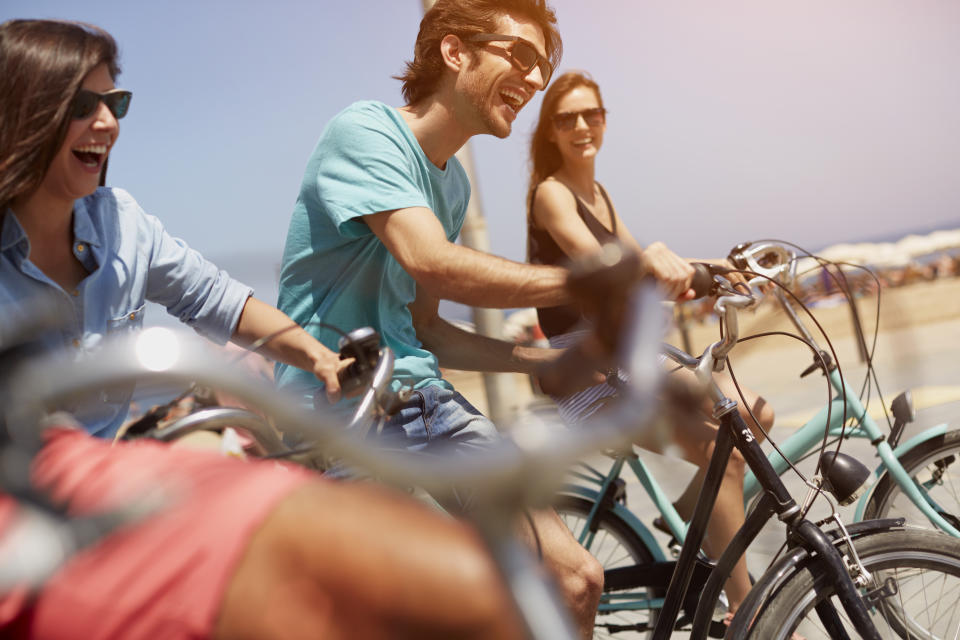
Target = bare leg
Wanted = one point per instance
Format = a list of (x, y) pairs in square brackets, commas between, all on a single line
[(727, 515), (578, 574), (337, 560)]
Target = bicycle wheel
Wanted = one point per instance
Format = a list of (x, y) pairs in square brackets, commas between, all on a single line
[(615, 544), (935, 466), (914, 590)]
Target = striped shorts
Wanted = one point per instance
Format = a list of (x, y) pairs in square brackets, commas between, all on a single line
[(577, 407)]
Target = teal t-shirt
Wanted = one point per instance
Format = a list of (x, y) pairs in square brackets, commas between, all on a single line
[(335, 270)]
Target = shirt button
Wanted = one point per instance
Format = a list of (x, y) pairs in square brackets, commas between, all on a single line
[(76, 342), (133, 316), (75, 293), (80, 247)]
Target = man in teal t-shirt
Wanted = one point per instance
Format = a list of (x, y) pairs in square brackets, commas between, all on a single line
[(335, 268), (371, 240)]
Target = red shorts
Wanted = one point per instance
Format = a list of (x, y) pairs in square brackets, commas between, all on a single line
[(163, 577)]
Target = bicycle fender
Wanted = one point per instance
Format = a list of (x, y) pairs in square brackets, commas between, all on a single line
[(787, 566), (923, 436), (901, 449), (626, 515)]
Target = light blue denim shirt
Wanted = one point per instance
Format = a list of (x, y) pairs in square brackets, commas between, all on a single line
[(130, 259)]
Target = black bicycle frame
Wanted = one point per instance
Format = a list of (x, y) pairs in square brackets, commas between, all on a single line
[(733, 432)]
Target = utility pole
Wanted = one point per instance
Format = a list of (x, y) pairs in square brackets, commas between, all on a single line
[(501, 400)]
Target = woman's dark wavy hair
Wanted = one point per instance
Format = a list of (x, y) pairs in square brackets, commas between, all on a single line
[(42, 67), (545, 158), (465, 18)]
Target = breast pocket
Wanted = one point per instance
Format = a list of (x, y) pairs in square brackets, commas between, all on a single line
[(129, 321)]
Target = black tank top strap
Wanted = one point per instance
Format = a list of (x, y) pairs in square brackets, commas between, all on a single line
[(613, 217)]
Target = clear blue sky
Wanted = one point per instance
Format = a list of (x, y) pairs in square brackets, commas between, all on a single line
[(814, 121)]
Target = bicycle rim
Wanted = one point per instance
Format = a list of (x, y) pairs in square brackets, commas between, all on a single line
[(914, 591)]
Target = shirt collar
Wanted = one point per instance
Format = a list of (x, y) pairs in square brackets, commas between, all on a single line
[(12, 234)]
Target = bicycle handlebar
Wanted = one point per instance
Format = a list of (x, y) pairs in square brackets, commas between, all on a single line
[(769, 259), (215, 417)]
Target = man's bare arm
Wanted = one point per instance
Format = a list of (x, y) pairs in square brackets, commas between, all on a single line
[(459, 349), (451, 272)]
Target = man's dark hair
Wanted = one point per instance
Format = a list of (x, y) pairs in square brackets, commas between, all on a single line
[(465, 18)]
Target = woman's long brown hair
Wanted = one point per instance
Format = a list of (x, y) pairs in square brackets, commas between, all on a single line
[(42, 67)]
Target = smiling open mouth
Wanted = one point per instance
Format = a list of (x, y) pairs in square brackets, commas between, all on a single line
[(91, 155), (512, 99)]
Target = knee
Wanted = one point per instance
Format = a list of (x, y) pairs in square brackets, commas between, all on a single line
[(583, 584)]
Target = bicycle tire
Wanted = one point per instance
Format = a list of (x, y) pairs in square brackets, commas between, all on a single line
[(933, 464), (913, 559), (616, 544)]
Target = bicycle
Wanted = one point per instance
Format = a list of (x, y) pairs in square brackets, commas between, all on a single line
[(523, 470), (595, 509)]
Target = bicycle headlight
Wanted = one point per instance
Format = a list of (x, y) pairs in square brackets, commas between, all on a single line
[(844, 476)]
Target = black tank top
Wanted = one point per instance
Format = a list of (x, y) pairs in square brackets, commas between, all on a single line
[(542, 249)]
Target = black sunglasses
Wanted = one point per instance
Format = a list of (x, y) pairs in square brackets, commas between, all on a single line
[(568, 119), (523, 54), (117, 100)]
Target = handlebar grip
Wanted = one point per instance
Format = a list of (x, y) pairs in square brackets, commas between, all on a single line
[(702, 283)]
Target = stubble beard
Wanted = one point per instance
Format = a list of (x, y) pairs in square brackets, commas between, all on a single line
[(481, 102)]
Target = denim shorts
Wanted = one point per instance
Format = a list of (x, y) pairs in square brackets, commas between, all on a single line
[(434, 421), (435, 418)]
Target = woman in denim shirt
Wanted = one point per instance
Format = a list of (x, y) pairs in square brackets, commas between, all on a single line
[(95, 248)]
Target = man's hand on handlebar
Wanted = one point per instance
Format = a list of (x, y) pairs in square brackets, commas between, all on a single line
[(593, 371)]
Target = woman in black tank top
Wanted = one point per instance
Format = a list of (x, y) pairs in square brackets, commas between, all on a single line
[(569, 214)]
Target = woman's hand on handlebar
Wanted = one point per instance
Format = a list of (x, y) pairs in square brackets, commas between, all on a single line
[(281, 339), (672, 272), (325, 368)]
